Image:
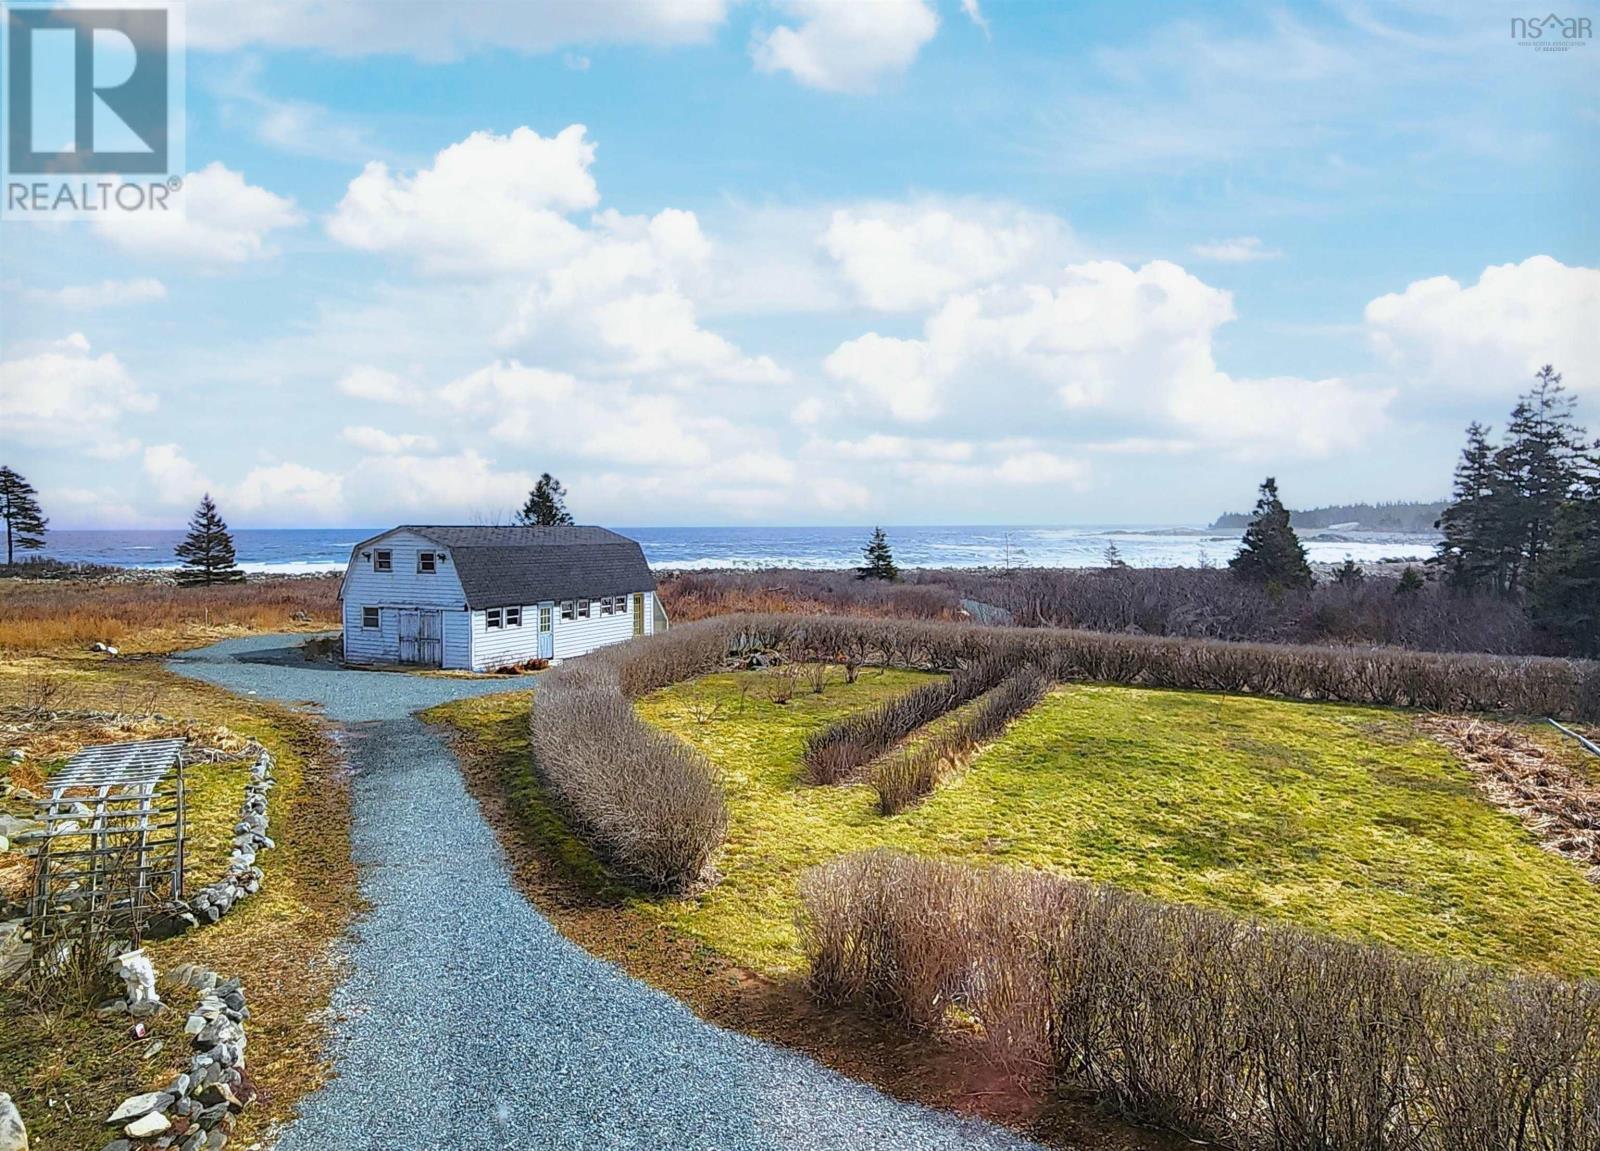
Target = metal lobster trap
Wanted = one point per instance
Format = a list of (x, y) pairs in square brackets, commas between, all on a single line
[(111, 849)]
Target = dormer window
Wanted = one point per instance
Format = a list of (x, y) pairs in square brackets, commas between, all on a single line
[(426, 562), (383, 561)]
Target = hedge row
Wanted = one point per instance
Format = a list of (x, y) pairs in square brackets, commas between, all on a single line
[(904, 777), (1266, 1038)]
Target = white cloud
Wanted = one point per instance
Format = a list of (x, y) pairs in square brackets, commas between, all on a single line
[(105, 294), (897, 375), (174, 479), (975, 14), (464, 486), (1105, 340), (900, 257), (382, 443), (432, 31), (880, 446), (1239, 250), (487, 204), (841, 47), (1488, 338), (1040, 467), (223, 221), (66, 395), (289, 493), (365, 382)]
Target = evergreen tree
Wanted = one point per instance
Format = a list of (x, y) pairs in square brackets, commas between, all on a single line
[(1113, 557), (546, 505), (1538, 468), (1565, 599), (1271, 553), (207, 551), (1349, 574), (880, 560), (1469, 550), (19, 506), (1409, 584)]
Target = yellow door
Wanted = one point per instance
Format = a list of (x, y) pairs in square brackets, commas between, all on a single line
[(638, 613)]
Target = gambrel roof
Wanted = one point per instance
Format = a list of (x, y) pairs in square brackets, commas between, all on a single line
[(503, 566)]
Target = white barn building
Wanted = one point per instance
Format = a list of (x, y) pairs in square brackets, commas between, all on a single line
[(479, 598)]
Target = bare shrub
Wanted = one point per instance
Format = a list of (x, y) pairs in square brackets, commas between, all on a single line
[(904, 776), (650, 803), (1254, 1035)]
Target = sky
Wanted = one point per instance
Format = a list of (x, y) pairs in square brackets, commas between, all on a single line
[(784, 262)]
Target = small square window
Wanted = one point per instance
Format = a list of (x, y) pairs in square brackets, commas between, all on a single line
[(425, 562), (622, 603), (369, 617), (513, 617), (583, 609), (382, 561), (568, 609), (491, 618)]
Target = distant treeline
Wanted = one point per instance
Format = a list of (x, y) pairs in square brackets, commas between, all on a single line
[(1400, 516)]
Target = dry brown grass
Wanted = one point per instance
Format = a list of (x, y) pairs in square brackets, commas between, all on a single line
[(66, 1070), (1266, 1037), (1559, 804), (59, 615)]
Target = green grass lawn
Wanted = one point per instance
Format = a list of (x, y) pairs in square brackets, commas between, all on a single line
[(1333, 817)]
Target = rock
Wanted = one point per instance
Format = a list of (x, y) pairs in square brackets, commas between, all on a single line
[(13, 1132), (213, 1094), (193, 1141), (147, 1125), (195, 1025), (16, 755), (117, 1145), (137, 1105)]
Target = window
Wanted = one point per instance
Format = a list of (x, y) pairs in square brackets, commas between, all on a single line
[(383, 561), (513, 617), (583, 609), (622, 604), (369, 617), (491, 618), (568, 609), (605, 605), (425, 562)]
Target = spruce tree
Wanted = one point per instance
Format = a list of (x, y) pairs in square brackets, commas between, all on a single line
[(1565, 599), (1409, 584), (1270, 553), (1538, 469), (19, 506), (880, 560), (207, 551), (1469, 549), (546, 505), (1349, 574)]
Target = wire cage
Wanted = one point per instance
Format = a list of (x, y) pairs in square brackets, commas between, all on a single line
[(111, 850)]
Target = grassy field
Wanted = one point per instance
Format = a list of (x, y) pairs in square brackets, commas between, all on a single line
[(1337, 818), (64, 1067)]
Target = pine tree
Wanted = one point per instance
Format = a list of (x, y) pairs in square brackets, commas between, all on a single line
[(1270, 553), (880, 560), (1538, 468), (1349, 574), (1113, 557), (207, 551), (1469, 550), (1410, 582), (1565, 599), (546, 505), (19, 506)]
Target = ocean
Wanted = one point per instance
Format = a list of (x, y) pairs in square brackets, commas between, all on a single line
[(291, 550)]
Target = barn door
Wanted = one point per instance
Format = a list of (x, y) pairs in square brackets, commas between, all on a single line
[(410, 633), (638, 614), (430, 639)]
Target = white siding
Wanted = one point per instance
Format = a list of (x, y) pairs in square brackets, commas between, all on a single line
[(499, 646), (576, 636), (403, 586)]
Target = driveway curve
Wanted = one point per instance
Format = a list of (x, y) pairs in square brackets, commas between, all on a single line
[(468, 1022)]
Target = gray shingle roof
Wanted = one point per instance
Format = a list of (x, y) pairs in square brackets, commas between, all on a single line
[(501, 566)]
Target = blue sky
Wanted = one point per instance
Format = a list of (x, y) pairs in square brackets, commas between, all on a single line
[(812, 263)]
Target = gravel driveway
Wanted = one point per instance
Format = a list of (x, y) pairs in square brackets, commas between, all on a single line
[(470, 1023)]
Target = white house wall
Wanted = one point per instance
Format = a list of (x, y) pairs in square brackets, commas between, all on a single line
[(403, 586), (497, 647)]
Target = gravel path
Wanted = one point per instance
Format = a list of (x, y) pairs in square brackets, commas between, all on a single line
[(469, 1022)]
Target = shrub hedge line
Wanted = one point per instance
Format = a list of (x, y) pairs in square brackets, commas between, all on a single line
[(1266, 1038)]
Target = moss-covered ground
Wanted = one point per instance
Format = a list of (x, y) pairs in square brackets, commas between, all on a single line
[(1343, 819)]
